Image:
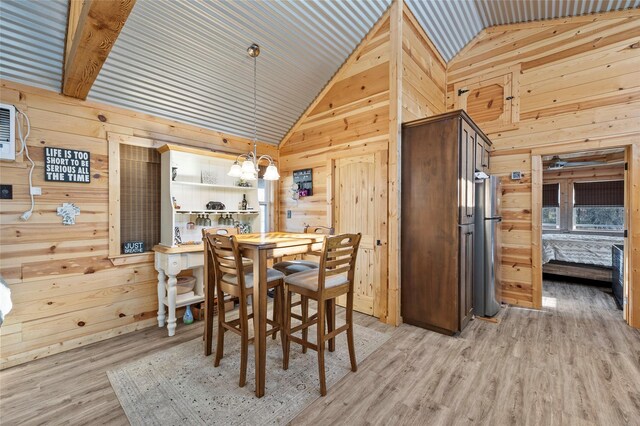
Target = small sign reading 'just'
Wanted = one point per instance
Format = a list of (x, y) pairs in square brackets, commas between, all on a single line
[(131, 247)]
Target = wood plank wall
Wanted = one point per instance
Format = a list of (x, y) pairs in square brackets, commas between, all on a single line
[(352, 116), (579, 88), (66, 292), (424, 73)]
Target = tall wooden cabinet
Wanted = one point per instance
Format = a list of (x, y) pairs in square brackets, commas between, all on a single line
[(440, 156)]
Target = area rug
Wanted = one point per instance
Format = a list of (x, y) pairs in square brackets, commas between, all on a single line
[(180, 386)]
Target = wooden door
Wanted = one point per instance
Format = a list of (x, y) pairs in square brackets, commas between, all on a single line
[(360, 205)]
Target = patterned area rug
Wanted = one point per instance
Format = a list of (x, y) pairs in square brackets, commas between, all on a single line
[(181, 386)]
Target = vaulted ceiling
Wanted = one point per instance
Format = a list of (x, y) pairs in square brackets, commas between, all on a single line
[(187, 60)]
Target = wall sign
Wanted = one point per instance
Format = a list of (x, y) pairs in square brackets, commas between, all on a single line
[(133, 247), (66, 165), (304, 180)]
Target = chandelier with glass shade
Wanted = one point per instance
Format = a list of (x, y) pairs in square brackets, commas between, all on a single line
[(248, 169)]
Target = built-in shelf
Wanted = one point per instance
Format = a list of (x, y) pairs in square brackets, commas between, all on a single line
[(213, 185), (217, 211), (186, 299)]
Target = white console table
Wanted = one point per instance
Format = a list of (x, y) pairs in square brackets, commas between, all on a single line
[(169, 262)]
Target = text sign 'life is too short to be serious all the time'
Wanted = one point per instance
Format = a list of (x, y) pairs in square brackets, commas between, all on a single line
[(66, 165)]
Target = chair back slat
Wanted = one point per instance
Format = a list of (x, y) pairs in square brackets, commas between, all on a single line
[(324, 230), (220, 230), (225, 257), (339, 255)]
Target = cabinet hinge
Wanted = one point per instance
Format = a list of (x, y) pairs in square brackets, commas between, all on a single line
[(461, 91), (509, 98), (625, 233), (626, 166)]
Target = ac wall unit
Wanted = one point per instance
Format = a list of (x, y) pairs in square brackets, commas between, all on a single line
[(7, 132)]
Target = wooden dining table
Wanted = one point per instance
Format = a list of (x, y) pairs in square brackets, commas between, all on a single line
[(259, 248)]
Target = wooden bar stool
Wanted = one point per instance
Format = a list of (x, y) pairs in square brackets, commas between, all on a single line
[(289, 267), (332, 279), (230, 278)]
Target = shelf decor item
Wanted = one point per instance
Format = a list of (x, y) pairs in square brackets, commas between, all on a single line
[(249, 168), (188, 316), (174, 173), (208, 177), (215, 205), (131, 247)]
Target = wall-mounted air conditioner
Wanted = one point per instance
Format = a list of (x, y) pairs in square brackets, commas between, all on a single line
[(7, 132)]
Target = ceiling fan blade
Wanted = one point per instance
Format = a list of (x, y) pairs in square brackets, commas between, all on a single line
[(557, 166), (584, 163)]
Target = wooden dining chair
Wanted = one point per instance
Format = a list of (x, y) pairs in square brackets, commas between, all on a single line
[(227, 230), (332, 279), (230, 278), (289, 267)]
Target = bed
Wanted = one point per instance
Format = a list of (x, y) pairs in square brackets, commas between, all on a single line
[(579, 255)]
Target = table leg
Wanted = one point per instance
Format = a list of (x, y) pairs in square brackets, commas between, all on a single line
[(260, 317), (172, 294), (161, 296)]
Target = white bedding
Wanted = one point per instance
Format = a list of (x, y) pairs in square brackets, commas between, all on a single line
[(579, 248)]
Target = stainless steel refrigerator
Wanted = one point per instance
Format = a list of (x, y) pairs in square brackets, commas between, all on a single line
[(486, 259)]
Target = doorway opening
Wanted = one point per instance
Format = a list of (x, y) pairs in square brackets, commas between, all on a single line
[(583, 222)]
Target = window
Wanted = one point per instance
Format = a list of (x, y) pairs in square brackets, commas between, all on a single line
[(598, 205), (598, 218), (139, 195), (551, 217), (134, 196), (551, 206), (264, 199)]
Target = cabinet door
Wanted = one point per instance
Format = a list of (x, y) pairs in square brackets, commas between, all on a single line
[(466, 275), (485, 158), (479, 154), (467, 173), (492, 101)]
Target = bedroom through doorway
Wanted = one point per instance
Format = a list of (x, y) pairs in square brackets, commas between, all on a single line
[(583, 226)]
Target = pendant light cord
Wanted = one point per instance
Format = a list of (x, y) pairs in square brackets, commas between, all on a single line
[(255, 105)]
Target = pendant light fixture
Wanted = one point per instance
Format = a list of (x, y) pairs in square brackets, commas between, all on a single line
[(248, 170)]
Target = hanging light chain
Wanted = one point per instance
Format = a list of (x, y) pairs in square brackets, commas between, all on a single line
[(255, 100)]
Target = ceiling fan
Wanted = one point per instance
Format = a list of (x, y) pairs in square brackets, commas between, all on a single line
[(557, 163)]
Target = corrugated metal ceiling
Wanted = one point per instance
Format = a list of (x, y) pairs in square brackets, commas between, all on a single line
[(32, 36), (187, 60), (454, 23)]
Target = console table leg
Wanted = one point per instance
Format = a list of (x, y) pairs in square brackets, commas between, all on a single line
[(161, 297), (172, 294)]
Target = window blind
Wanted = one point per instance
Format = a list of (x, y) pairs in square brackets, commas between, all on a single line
[(551, 195), (602, 193), (139, 195)]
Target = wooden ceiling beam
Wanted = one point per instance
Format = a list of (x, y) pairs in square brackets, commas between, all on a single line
[(92, 29)]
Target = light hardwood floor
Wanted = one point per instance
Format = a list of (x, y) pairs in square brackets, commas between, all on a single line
[(575, 362)]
